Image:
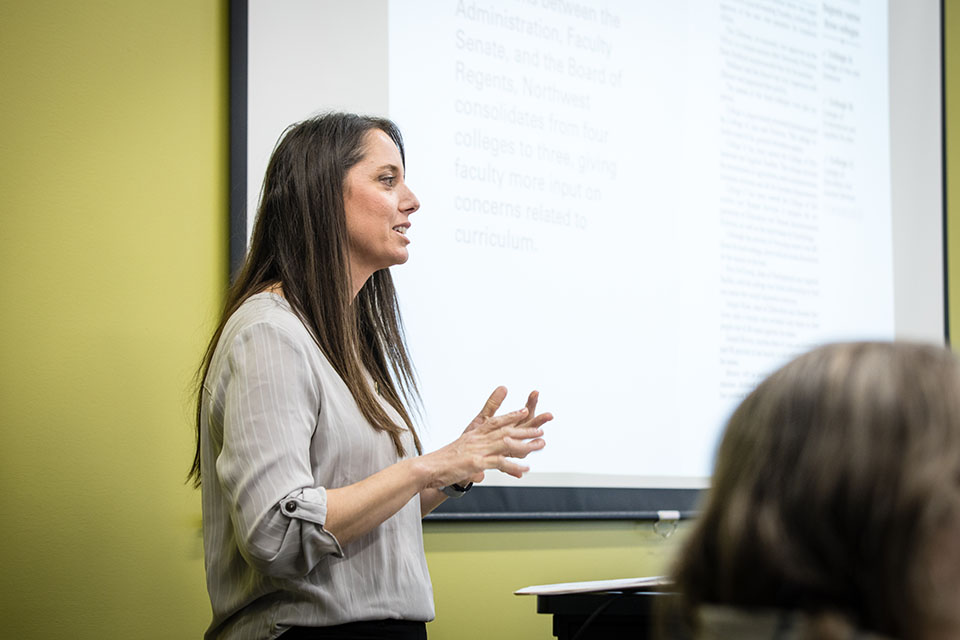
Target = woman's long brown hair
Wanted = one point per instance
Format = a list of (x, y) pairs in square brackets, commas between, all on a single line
[(300, 242)]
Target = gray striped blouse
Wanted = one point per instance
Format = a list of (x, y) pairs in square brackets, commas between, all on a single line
[(277, 426)]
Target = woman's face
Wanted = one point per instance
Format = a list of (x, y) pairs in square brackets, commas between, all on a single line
[(378, 205)]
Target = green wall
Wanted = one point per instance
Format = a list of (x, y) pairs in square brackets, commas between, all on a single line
[(113, 175)]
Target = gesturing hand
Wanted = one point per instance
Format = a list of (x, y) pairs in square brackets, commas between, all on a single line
[(489, 442)]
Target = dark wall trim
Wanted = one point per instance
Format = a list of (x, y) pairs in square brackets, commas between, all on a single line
[(944, 177), (238, 134), (568, 503)]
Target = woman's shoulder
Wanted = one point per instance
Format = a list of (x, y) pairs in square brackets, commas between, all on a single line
[(265, 308), (265, 318)]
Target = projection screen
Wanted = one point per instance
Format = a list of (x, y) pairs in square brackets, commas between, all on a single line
[(637, 208)]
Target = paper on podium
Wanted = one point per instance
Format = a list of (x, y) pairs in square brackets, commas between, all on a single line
[(593, 586)]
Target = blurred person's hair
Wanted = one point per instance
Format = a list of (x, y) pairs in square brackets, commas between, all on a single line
[(836, 493)]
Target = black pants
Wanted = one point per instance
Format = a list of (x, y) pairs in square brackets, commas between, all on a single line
[(366, 630)]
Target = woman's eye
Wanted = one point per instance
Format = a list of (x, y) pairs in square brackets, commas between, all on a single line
[(388, 180)]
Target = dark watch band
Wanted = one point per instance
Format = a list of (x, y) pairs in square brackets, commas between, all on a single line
[(456, 490)]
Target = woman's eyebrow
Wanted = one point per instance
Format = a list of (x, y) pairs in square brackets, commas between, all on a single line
[(389, 167)]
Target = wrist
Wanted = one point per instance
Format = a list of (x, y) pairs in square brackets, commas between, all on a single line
[(421, 471)]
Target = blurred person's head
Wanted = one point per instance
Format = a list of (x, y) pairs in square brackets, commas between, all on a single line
[(836, 492)]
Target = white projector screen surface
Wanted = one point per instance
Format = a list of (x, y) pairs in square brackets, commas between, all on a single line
[(637, 208)]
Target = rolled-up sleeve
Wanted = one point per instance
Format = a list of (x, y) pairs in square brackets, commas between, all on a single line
[(271, 404)]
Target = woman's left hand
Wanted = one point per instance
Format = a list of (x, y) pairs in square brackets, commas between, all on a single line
[(532, 420)]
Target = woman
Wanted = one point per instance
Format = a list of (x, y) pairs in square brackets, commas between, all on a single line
[(312, 487), (835, 503)]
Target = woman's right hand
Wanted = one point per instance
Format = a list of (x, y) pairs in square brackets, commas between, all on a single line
[(489, 442)]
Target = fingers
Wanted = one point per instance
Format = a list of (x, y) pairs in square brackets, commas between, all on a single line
[(512, 468), (514, 446), (490, 407), (522, 448), (532, 402), (507, 419), (538, 421), (493, 402), (514, 428), (509, 437), (532, 418), (525, 431), (519, 418), (516, 449)]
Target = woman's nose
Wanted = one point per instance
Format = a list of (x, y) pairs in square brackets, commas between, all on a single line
[(409, 204)]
